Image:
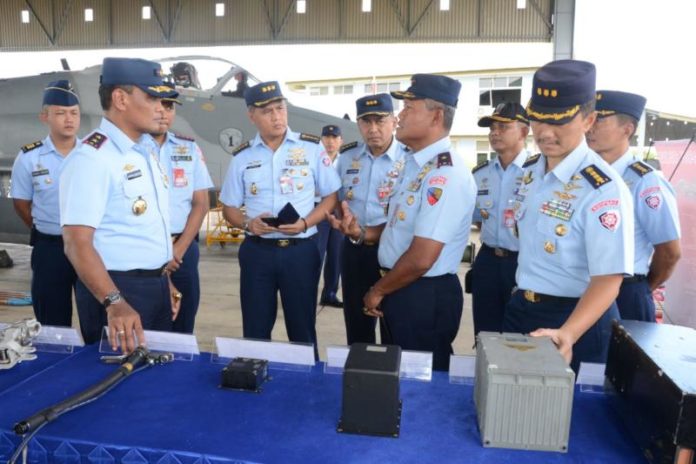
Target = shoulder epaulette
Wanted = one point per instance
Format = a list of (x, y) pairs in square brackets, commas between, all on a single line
[(444, 159), (347, 146), (480, 166), (641, 168), (31, 146), (595, 176), (309, 138), (95, 140), (531, 160), (240, 148), (184, 137)]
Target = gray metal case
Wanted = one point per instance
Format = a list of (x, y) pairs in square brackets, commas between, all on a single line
[(523, 392)]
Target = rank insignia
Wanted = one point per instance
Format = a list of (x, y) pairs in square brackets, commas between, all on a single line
[(531, 160), (595, 176), (241, 148), (347, 146), (96, 140), (444, 159), (480, 166), (561, 230), (139, 206), (549, 247), (310, 138), (641, 168), (434, 195), (31, 146)]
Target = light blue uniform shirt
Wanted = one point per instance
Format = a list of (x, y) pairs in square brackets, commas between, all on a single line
[(569, 230), (367, 182), (496, 187), (183, 162), (655, 208), (35, 177), (264, 181), (102, 185), (434, 199)]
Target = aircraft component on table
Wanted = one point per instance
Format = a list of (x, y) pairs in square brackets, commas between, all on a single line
[(15, 342)]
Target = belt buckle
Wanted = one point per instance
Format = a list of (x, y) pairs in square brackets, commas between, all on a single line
[(499, 252), (530, 296), (284, 242)]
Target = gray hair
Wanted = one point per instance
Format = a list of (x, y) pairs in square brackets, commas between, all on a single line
[(447, 112)]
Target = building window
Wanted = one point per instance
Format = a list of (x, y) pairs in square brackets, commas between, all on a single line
[(25, 16), (484, 151), (499, 89), (315, 91), (89, 15), (366, 6), (343, 89), (382, 87), (444, 5), (219, 10), (301, 6), (147, 12)]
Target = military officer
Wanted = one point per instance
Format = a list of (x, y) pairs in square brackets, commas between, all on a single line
[(369, 171), (574, 219), (35, 178), (114, 210), (190, 181), (330, 240), (274, 175), (493, 271), (657, 233), (427, 228)]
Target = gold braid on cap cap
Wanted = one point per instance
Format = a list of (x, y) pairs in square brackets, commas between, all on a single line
[(555, 116)]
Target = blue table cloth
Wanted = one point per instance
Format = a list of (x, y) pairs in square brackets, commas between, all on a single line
[(177, 414)]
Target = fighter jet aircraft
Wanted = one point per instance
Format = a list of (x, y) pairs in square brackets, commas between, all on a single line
[(213, 112)]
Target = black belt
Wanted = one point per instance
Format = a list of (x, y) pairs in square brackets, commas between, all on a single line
[(175, 237), (499, 252), (46, 237), (140, 272), (534, 297), (635, 278), (277, 242), (363, 244)]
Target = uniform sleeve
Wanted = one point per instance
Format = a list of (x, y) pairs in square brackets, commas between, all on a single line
[(202, 180), (327, 179), (84, 190), (609, 230), (656, 209), (22, 187), (447, 202), (232, 193)]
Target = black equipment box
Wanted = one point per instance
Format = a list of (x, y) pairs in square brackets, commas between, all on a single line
[(651, 376), (371, 404), (245, 374)]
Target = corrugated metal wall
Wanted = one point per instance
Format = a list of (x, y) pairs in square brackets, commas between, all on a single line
[(58, 24)]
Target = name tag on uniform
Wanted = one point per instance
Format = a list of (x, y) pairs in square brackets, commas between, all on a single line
[(180, 179), (181, 158), (41, 172), (134, 174), (352, 171)]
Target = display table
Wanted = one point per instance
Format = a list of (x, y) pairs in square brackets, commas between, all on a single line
[(12, 378), (176, 414)]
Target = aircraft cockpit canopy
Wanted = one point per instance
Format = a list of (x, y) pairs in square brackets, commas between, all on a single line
[(208, 75)]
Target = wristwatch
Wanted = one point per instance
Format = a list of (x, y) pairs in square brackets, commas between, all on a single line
[(360, 239), (112, 298), (245, 225)]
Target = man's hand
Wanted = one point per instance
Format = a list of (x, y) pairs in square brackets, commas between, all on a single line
[(258, 227), (178, 259), (347, 224), (293, 229), (372, 300), (175, 296), (124, 327), (563, 340)]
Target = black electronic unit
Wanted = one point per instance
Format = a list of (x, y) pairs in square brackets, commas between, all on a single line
[(245, 374), (371, 404), (651, 377)]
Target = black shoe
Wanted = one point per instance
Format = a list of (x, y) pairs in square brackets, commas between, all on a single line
[(333, 302)]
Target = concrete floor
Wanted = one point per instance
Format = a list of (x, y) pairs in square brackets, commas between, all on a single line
[(219, 312)]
